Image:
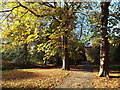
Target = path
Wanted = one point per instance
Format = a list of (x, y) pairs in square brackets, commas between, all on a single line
[(78, 79)]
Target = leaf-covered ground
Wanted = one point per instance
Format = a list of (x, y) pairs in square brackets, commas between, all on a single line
[(50, 78), (104, 82), (33, 78)]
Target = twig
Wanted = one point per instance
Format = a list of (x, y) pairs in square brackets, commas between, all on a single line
[(24, 14)]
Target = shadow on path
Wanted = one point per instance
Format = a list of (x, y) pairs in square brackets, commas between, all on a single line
[(87, 67)]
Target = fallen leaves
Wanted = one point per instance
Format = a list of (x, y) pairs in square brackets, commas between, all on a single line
[(104, 82), (33, 78)]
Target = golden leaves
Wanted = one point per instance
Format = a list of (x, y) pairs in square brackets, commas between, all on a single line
[(104, 82), (33, 78)]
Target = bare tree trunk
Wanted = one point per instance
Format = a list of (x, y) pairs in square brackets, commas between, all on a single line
[(65, 60), (65, 43), (25, 53), (83, 54), (104, 53), (44, 62)]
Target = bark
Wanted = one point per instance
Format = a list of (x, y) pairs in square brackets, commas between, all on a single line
[(81, 30), (45, 62), (25, 54), (65, 54), (65, 59), (83, 54), (104, 53)]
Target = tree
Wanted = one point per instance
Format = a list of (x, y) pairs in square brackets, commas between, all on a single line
[(64, 15), (20, 31), (104, 54), (99, 19)]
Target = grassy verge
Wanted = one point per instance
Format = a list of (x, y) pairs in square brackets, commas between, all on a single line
[(33, 78)]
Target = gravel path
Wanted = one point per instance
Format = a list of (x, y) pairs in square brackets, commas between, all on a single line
[(78, 79)]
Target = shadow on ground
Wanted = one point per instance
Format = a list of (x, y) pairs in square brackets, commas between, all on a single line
[(19, 75), (85, 67), (114, 76)]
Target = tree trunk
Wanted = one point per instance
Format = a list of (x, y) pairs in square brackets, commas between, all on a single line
[(65, 57), (44, 62), (64, 46), (83, 54), (25, 54), (104, 53)]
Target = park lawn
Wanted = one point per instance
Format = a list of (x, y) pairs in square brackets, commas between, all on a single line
[(33, 78), (104, 82)]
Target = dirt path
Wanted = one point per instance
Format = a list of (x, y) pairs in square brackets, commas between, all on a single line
[(79, 79)]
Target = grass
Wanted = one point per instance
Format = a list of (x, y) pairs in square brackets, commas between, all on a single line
[(33, 78)]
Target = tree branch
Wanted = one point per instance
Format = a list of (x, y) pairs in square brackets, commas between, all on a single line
[(20, 5), (56, 19), (10, 10), (55, 4), (47, 4), (29, 10), (6, 17), (24, 14)]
